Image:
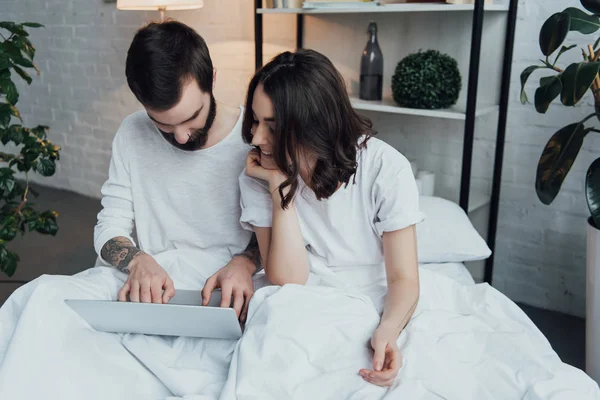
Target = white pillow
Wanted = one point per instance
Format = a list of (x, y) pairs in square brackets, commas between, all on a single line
[(447, 235)]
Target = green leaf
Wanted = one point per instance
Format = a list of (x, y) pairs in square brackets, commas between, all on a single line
[(576, 80), (591, 5), (9, 232), (7, 184), (596, 44), (32, 25), (4, 63), (25, 45), (5, 114), (23, 74), (556, 160), (40, 131), (23, 62), (46, 167), (10, 90), (8, 261), (16, 134), (46, 223), (553, 32), (582, 22), (546, 93), (592, 190), (15, 111), (524, 77), (563, 49), (14, 28), (4, 74)]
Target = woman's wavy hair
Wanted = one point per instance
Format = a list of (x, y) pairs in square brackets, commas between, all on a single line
[(312, 114)]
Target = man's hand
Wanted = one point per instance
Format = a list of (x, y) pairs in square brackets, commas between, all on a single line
[(235, 280), (147, 281)]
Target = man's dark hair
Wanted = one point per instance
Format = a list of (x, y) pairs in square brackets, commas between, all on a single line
[(312, 113), (162, 58)]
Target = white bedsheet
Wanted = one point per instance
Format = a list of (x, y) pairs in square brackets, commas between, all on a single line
[(454, 270), (301, 342)]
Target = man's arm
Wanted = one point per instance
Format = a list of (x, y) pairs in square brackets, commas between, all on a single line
[(119, 252), (252, 253)]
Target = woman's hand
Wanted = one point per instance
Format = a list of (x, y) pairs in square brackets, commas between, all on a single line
[(387, 359), (254, 169)]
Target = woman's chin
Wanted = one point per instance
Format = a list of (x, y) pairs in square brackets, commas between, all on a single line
[(267, 163)]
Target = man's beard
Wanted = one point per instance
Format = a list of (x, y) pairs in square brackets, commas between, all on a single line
[(199, 137)]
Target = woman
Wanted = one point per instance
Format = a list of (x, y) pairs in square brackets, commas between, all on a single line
[(319, 189)]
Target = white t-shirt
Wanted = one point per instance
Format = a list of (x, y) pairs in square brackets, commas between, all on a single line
[(345, 230), (184, 205)]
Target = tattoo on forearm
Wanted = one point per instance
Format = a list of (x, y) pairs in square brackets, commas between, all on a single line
[(119, 252), (252, 252)]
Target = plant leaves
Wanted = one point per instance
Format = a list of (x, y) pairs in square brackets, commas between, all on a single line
[(582, 22), (556, 160), (15, 111), (4, 63), (576, 80), (46, 167), (553, 32), (10, 90), (23, 44), (592, 190), (7, 183), (14, 28), (40, 131), (563, 49), (23, 62), (524, 77), (16, 134), (5, 114), (23, 74), (8, 261), (32, 25), (46, 223), (591, 5), (545, 94)]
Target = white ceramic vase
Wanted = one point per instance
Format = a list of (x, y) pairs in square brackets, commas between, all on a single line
[(592, 296)]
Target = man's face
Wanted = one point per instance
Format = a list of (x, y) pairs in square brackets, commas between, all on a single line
[(186, 125)]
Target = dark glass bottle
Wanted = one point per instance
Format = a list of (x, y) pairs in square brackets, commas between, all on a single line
[(371, 68)]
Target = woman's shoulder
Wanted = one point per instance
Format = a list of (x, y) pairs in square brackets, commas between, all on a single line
[(378, 158)]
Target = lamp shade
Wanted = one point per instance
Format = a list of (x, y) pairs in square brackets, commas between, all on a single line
[(159, 4)]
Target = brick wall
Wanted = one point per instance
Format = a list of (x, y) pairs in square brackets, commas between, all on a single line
[(82, 95)]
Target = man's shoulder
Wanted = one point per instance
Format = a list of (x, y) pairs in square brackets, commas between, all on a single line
[(136, 122)]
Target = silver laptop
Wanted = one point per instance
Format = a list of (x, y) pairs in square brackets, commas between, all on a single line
[(184, 315)]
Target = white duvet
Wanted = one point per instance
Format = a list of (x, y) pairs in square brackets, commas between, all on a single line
[(301, 342)]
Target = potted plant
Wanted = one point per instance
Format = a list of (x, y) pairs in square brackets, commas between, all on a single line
[(571, 84), (29, 150)]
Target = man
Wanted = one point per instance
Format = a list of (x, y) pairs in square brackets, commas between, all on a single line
[(176, 164), (173, 179)]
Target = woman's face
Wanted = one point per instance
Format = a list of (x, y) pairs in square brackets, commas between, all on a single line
[(263, 127)]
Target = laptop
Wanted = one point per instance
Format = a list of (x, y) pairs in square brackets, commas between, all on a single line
[(184, 315)]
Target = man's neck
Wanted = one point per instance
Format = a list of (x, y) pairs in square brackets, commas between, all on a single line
[(225, 120)]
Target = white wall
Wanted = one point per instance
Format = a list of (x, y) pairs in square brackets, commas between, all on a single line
[(82, 95)]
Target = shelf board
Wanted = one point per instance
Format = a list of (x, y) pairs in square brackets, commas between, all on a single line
[(388, 106), (407, 7)]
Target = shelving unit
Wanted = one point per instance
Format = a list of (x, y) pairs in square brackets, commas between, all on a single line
[(470, 201), (388, 106), (408, 7)]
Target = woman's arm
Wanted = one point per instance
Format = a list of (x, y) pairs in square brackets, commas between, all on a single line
[(282, 246), (400, 251)]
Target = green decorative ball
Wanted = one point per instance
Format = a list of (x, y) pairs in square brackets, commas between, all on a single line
[(426, 79)]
